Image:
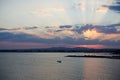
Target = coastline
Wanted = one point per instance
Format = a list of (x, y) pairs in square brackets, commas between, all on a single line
[(96, 56)]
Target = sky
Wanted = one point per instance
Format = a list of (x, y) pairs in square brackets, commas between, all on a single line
[(27, 24)]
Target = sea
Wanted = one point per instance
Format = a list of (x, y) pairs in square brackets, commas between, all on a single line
[(45, 66)]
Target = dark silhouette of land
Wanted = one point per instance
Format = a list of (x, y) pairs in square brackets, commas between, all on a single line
[(96, 56), (63, 49), (115, 52)]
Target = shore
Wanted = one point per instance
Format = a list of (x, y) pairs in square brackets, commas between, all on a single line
[(96, 56)]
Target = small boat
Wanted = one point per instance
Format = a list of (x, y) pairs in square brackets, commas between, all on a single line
[(59, 61)]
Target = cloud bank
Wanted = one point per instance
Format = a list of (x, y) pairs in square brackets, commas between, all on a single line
[(69, 35)]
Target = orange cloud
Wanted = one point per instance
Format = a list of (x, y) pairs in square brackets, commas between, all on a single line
[(102, 10), (69, 32), (91, 34), (94, 34), (110, 37)]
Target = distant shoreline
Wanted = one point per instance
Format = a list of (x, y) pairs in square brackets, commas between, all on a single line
[(95, 56), (64, 49)]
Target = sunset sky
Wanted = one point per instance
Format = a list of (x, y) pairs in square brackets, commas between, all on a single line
[(26, 24)]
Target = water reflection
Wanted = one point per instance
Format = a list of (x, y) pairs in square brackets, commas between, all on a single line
[(92, 69), (43, 66), (99, 69)]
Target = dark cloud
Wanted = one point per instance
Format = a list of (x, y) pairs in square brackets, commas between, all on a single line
[(82, 28), (108, 29), (1, 29), (58, 30), (65, 26), (29, 28), (118, 2), (10, 29), (115, 6), (114, 25), (14, 36), (22, 37), (47, 27)]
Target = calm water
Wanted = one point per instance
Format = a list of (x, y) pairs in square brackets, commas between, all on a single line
[(43, 66)]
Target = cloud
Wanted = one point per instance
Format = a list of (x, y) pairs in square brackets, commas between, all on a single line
[(59, 9), (24, 28), (102, 9), (1, 29), (69, 32), (110, 37), (87, 31), (107, 29), (52, 27), (40, 12), (22, 45), (115, 6), (81, 28), (73, 35), (24, 37), (91, 34), (6, 29), (94, 34), (27, 38), (14, 36), (63, 33), (47, 12), (29, 28), (65, 26), (99, 32)]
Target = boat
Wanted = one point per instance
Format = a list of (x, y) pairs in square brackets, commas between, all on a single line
[(59, 61)]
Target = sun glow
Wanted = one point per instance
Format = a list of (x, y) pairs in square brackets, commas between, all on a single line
[(95, 46)]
